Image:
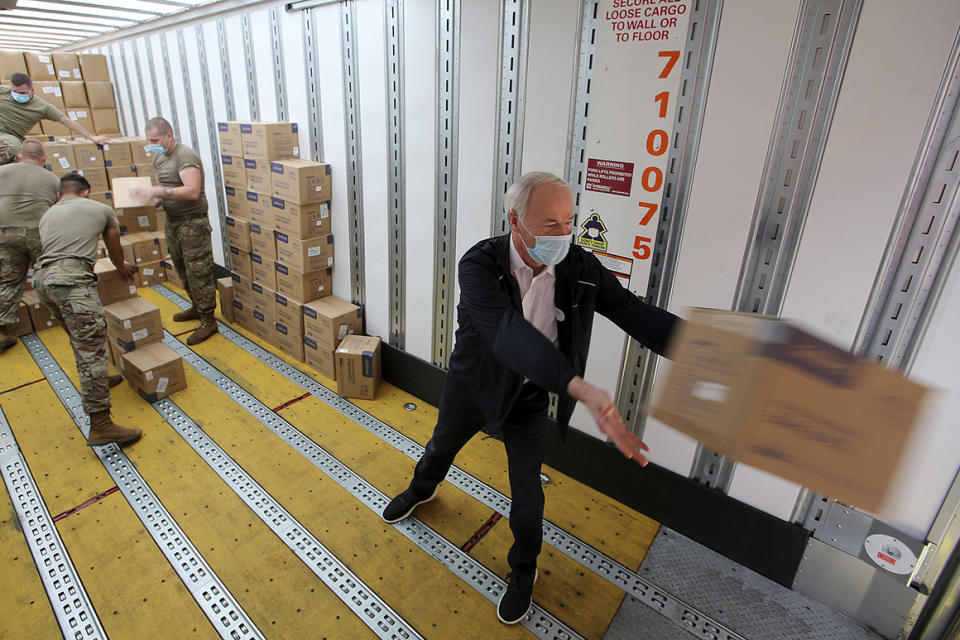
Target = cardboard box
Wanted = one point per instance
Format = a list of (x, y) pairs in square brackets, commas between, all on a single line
[(289, 312), (234, 175), (22, 326), (93, 67), (240, 262), (236, 203), (147, 247), (258, 175), (117, 153), (258, 208), (40, 316), (231, 142), (133, 323), (155, 371), (116, 356), (100, 95), (238, 233), (105, 121), (301, 220), (329, 320), (89, 155), (170, 271), (55, 129), (303, 287), (51, 92), (242, 314), (135, 219), (289, 341), (36, 133), (225, 291), (263, 241), (40, 66), (124, 192), (263, 270), (83, 117), (128, 171), (305, 254), (262, 325), (106, 197), (146, 171), (74, 93), (358, 367), (110, 284), (300, 181), (270, 140), (97, 179), (320, 358), (241, 288), (264, 300), (11, 62), (61, 156), (67, 67), (137, 151), (151, 273), (765, 392)]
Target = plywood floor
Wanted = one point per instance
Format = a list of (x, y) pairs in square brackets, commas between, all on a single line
[(135, 591)]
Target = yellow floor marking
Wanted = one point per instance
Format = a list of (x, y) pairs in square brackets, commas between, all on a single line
[(18, 368), (24, 607), (282, 596)]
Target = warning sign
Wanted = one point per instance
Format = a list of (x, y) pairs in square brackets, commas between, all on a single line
[(618, 265), (592, 236), (609, 176)]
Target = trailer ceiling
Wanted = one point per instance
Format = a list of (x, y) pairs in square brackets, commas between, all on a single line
[(45, 25)]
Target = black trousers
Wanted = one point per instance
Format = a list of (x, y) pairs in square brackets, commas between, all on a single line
[(524, 435)]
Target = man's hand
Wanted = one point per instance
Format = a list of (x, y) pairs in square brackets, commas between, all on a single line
[(101, 140), (608, 418), (127, 270), (146, 193)]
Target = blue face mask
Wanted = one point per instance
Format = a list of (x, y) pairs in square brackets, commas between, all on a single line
[(22, 98), (549, 250), (155, 149)]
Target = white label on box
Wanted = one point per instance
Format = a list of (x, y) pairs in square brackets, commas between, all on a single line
[(319, 187), (76, 74), (144, 221), (314, 251), (64, 163), (343, 331), (133, 289), (149, 376), (147, 271), (57, 92), (65, 74), (324, 212), (330, 261), (73, 116), (344, 350), (710, 391), (141, 334), (48, 89), (162, 385), (50, 69), (296, 152), (106, 147), (82, 114), (126, 324), (43, 58)]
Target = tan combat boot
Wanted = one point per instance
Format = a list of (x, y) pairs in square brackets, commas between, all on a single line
[(186, 314), (208, 327), (114, 380), (104, 431), (6, 340)]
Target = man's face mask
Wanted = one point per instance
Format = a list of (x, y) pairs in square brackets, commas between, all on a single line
[(22, 98)]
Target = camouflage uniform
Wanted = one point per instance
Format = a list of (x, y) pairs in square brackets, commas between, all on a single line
[(19, 249), (188, 241), (9, 148), (69, 288)]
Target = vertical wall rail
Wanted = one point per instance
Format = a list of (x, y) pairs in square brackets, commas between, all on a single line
[(187, 94), (308, 21), (511, 85), (214, 143), (153, 75), (279, 74), (138, 72), (116, 92), (818, 57), (640, 364), (168, 72), (448, 122), (126, 81), (251, 67), (396, 197), (227, 77), (580, 100), (351, 111)]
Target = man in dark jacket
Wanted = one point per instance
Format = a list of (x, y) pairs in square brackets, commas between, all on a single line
[(526, 309)]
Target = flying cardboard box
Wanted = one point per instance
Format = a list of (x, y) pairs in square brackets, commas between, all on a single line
[(358, 367), (329, 320), (123, 192), (40, 66), (67, 66), (93, 67), (133, 323), (300, 181), (100, 95), (74, 93), (154, 371), (111, 286), (767, 393), (269, 140)]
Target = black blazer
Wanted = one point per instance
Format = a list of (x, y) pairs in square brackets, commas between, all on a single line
[(496, 348)]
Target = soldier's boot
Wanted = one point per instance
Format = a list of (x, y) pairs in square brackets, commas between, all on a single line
[(6, 340), (114, 380), (104, 431), (186, 314), (208, 327)]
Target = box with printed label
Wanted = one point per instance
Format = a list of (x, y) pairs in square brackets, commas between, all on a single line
[(106, 197), (138, 150), (40, 315), (264, 299), (234, 175), (135, 219), (241, 288), (89, 155), (242, 314), (148, 247), (300, 181), (263, 271), (55, 129), (225, 292), (270, 140), (104, 121), (231, 142), (358, 367), (258, 175), (74, 93), (301, 220), (67, 66), (83, 117), (289, 341), (263, 324), (133, 323), (116, 356), (305, 254), (11, 62), (51, 92), (240, 262), (765, 392), (320, 358), (117, 153), (40, 67), (154, 371), (97, 179), (290, 312), (60, 155), (303, 287), (329, 320), (259, 208), (238, 233), (150, 273), (100, 95), (263, 241), (93, 67)]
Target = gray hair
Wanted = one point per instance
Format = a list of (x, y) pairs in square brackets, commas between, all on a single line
[(519, 192), (32, 150)]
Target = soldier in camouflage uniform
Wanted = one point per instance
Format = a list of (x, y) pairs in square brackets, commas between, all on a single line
[(180, 174), (27, 190), (66, 283)]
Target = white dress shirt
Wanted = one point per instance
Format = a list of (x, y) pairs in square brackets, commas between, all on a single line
[(536, 292)]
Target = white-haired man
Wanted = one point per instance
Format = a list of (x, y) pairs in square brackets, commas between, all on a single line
[(527, 300)]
